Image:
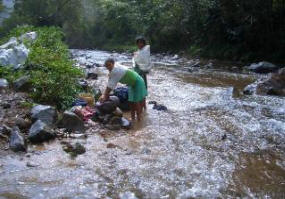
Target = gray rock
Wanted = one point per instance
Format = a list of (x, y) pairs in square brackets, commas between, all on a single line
[(209, 65), (91, 75), (32, 164), (250, 89), (73, 150), (109, 106), (115, 120), (71, 122), (22, 123), (10, 44), (113, 127), (3, 84), (46, 114), (40, 132), (13, 53), (22, 84), (118, 112), (6, 105), (146, 151), (115, 100), (273, 85), (195, 65), (5, 130), (126, 124), (192, 70), (263, 67), (17, 141), (127, 195), (79, 149), (107, 118)]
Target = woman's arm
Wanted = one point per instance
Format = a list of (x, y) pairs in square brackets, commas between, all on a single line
[(105, 95)]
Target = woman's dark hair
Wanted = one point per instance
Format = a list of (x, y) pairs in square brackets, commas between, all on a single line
[(141, 38), (109, 60)]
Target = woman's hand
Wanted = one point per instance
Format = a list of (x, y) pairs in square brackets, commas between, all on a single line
[(102, 99)]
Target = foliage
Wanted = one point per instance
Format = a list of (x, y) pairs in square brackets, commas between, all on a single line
[(1, 6), (53, 75), (9, 74), (226, 29)]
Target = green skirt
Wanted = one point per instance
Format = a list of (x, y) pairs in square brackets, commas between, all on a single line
[(138, 92), (142, 74)]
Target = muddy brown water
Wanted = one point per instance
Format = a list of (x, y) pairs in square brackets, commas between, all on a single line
[(212, 142)]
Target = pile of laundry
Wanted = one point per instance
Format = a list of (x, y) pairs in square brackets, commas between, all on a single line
[(107, 113)]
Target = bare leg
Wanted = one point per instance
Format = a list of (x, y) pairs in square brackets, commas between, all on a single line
[(133, 110), (144, 104), (138, 110)]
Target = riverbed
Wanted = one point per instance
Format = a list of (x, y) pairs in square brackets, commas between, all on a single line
[(213, 142)]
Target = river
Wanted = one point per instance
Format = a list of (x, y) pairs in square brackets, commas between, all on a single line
[(213, 142)]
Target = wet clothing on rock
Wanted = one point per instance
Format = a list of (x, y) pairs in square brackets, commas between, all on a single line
[(136, 85), (122, 94), (85, 113), (79, 102)]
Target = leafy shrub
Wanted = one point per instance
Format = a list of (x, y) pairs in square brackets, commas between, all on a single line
[(53, 75), (9, 74)]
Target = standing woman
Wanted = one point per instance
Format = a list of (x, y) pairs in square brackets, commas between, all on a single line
[(141, 60), (137, 89)]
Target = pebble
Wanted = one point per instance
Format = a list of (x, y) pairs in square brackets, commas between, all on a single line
[(146, 151), (31, 164), (6, 105)]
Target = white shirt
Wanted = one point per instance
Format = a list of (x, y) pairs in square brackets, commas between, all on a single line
[(142, 59), (116, 75)]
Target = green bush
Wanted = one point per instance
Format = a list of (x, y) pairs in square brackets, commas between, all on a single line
[(54, 78), (9, 74)]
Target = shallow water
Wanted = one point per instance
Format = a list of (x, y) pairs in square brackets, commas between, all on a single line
[(213, 142)]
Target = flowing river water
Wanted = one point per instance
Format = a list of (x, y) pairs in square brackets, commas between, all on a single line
[(212, 142)]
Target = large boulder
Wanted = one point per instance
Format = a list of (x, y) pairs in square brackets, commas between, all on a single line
[(10, 44), (91, 75), (22, 84), (23, 124), (40, 132), (17, 141), (109, 106), (251, 88), (14, 53), (274, 85), (46, 114), (263, 67), (72, 122), (14, 57)]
